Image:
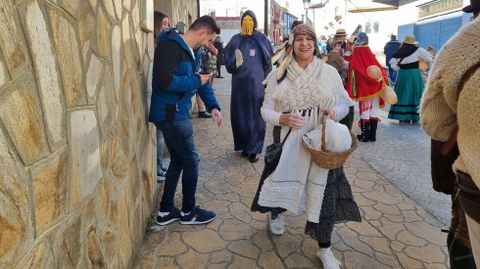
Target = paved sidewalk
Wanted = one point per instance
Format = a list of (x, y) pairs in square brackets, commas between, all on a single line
[(396, 232)]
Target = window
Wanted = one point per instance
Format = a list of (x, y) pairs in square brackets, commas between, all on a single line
[(368, 27), (376, 26)]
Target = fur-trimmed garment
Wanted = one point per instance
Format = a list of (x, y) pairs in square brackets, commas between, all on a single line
[(441, 110)]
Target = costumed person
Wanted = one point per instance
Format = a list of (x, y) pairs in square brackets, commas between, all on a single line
[(247, 58), (161, 22), (409, 86), (301, 91), (365, 88), (450, 109), (390, 48)]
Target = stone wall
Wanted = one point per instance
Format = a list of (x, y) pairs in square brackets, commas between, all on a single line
[(76, 150), (185, 11)]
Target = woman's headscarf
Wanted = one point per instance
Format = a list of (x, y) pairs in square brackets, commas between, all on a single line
[(287, 48), (248, 28)]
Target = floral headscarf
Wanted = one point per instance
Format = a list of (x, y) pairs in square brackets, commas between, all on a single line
[(286, 49)]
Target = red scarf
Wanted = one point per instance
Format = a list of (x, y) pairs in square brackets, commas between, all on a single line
[(360, 86)]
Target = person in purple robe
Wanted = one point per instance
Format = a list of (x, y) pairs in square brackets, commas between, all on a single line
[(248, 59)]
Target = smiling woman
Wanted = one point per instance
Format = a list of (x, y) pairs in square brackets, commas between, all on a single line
[(299, 94)]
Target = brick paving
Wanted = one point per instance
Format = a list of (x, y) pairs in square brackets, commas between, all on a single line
[(396, 231)]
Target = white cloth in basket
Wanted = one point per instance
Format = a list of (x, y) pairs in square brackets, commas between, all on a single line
[(337, 137)]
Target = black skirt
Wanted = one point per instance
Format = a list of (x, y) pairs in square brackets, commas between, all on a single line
[(337, 206)]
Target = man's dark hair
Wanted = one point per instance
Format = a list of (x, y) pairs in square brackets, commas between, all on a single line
[(393, 37), (205, 22)]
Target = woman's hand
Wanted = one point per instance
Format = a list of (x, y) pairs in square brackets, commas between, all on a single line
[(292, 120), (329, 113)]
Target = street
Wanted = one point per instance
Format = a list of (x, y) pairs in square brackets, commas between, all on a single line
[(401, 215)]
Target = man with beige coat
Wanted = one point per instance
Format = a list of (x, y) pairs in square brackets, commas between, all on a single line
[(443, 109)]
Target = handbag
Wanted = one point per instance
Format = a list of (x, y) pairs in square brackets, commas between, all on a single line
[(274, 151), (444, 154)]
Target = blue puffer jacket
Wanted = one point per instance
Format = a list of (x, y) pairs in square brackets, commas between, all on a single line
[(175, 81)]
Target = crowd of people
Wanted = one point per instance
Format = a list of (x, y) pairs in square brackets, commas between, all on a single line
[(307, 88)]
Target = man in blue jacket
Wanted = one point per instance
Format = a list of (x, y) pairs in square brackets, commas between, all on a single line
[(390, 48), (174, 83)]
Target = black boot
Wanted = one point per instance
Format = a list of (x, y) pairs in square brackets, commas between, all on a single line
[(373, 130), (365, 128)]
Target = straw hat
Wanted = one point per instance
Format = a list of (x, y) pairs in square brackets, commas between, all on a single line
[(341, 32), (410, 39)]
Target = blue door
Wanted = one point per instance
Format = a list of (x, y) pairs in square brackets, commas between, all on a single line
[(436, 33)]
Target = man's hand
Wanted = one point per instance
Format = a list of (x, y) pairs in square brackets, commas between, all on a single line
[(204, 78), (329, 113), (292, 120), (217, 116), (212, 48)]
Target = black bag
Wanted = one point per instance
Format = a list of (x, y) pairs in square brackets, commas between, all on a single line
[(274, 151), (443, 177)]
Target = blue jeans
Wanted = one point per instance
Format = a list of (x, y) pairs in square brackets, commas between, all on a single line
[(180, 143), (160, 145), (392, 74)]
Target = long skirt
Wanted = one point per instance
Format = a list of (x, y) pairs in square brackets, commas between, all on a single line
[(338, 205), (409, 90)]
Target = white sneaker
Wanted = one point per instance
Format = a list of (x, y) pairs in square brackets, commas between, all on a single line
[(276, 225), (328, 260)]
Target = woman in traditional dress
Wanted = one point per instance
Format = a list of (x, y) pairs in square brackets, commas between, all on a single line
[(247, 58), (301, 91), (409, 86)]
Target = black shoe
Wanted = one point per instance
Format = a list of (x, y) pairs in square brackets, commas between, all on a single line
[(244, 154), (204, 114), (164, 218), (197, 216), (219, 77), (253, 158)]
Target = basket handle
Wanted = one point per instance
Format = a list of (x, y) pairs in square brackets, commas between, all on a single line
[(323, 133)]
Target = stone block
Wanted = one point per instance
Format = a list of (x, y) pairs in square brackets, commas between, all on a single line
[(107, 105), (85, 28), (93, 4), (125, 245), (94, 73), (127, 4), (49, 190), (3, 74), (95, 254), (116, 55), (109, 8), (22, 117), (68, 54), (67, 243), (135, 179), (118, 158), (118, 8), (103, 33), (41, 257), (10, 40), (71, 6), (84, 141), (47, 74), (15, 214), (192, 259)]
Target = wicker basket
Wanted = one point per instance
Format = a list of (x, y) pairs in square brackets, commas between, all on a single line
[(327, 159)]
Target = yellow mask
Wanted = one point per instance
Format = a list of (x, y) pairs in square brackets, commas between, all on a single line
[(247, 26)]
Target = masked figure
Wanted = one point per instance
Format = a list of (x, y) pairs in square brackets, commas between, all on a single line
[(247, 58)]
